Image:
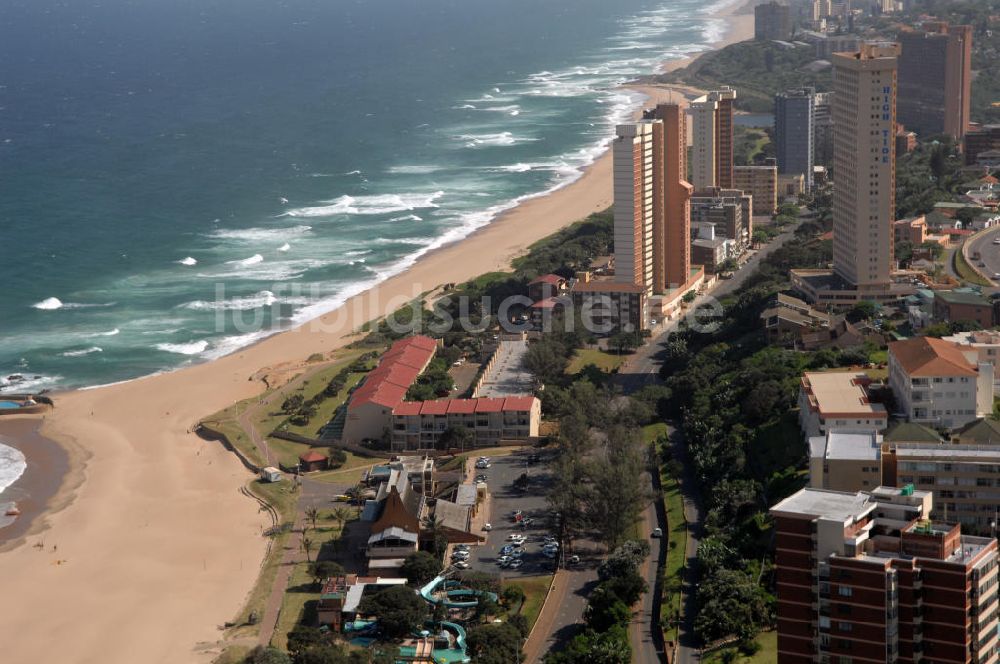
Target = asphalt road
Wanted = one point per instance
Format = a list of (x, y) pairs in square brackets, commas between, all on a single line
[(989, 253)]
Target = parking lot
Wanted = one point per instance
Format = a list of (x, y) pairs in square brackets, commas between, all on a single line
[(505, 499)]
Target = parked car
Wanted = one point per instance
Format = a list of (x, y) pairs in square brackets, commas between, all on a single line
[(573, 560), (550, 553), (503, 561), (516, 563), (461, 547), (483, 465), (461, 564), (657, 532), (481, 478), (507, 549), (487, 527), (460, 555)]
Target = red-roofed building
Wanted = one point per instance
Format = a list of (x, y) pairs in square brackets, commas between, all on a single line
[(939, 382), (545, 286), (312, 460), (369, 412), (492, 422), (378, 407)]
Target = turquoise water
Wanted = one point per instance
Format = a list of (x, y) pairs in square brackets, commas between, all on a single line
[(9, 404), (179, 178)]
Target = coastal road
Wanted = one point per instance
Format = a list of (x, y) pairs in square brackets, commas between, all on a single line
[(989, 252), (641, 370)]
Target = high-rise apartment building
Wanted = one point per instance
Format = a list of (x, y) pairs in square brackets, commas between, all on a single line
[(772, 20), (935, 78), (867, 577), (712, 139), (864, 195), (794, 132), (673, 258), (637, 152)]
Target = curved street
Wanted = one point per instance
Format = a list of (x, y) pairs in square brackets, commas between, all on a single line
[(989, 253)]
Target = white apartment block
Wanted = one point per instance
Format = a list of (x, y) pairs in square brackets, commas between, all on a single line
[(939, 383), (703, 111)]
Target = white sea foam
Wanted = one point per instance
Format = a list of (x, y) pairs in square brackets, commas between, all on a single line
[(408, 217), (193, 348), (53, 303), (109, 333), (188, 261), (12, 466), (417, 169), (285, 247), (498, 139), (358, 252), (29, 383), (49, 304), (82, 352), (253, 260), (366, 205), (264, 298), (259, 234)]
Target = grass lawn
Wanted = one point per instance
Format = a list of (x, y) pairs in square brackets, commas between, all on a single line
[(346, 474), (608, 362), (768, 653), (302, 594), (535, 588), (327, 407)]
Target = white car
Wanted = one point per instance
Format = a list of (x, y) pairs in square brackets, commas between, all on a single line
[(658, 532), (515, 537), (996, 240), (461, 564), (482, 465), (460, 555), (516, 563), (487, 527)]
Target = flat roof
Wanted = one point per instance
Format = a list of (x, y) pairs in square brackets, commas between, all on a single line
[(841, 392), (853, 445), (834, 505)]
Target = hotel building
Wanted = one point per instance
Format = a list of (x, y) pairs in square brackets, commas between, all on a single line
[(637, 152), (935, 79), (864, 195), (867, 578)]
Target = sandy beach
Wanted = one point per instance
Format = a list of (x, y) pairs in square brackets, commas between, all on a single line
[(148, 546)]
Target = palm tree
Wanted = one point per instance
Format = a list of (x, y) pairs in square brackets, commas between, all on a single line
[(312, 514), (341, 515), (307, 545)]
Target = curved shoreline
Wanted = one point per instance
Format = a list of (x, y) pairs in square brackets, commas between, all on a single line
[(160, 509)]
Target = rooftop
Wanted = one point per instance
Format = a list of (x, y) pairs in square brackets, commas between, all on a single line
[(962, 297), (841, 393), (847, 445), (927, 356), (834, 505)]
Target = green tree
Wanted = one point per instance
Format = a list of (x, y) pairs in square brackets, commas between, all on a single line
[(605, 610), (341, 515), (307, 546), (399, 609), (495, 643), (292, 404), (547, 360), (731, 603), (268, 655), (512, 596), (617, 493), (420, 567), (324, 569), (456, 437)]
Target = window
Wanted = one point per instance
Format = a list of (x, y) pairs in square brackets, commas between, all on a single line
[(845, 591), (845, 626)]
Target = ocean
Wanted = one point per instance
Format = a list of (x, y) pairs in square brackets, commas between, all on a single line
[(168, 169)]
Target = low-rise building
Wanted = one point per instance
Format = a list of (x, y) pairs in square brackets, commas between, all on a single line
[(419, 425), (845, 460), (963, 306), (787, 318), (545, 286), (838, 400), (731, 210), (341, 595), (912, 230), (610, 306), (939, 383), (711, 253), (985, 138)]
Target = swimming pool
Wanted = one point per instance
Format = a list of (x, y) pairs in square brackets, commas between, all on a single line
[(9, 404)]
